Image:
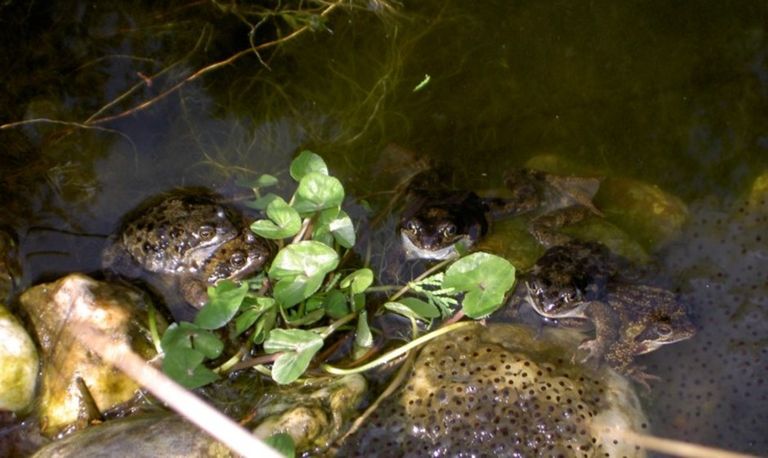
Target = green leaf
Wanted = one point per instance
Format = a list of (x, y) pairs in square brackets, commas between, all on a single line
[(317, 192), (358, 281), (422, 308), (290, 365), (358, 302), (262, 202), (265, 180), (305, 163), (186, 335), (298, 347), (186, 346), (308, 258), (265, 324), (185, 367), (363, 336), (283, 444), (252, 310), (338, 223), (285, 221), (224, 301), (291, 340), (336, 304), (289, 291), (484, 278), (208, 344), (311, 317)]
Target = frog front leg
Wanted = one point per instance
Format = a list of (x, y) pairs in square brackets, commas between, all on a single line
[(195, 292), (607, 330)]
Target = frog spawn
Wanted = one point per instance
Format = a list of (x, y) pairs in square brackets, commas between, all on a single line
[(500, 391), (715, 386)]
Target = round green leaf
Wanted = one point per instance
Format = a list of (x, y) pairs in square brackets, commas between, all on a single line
[(318, 192), (290, 365), (340, 225), (307, 258), (484, 278), (289, 291), (305, 163), (285, 221), (186, 368), (223, 303), (358, 281), (336, 304), (298, 347), (265, 180)]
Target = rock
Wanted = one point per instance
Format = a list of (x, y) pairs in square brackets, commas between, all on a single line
[(152, 435), (650, 214), (54, 309), (500, 391), (18, 358), (312, 416)]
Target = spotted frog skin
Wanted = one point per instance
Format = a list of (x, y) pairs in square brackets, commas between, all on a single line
[(236, 259), (583, 282), (568, 276), (182, 242)]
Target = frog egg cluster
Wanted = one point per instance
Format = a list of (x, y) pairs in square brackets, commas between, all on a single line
[(469, 395), (715, 388)]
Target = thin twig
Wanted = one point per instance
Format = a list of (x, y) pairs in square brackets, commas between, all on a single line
[(673, 447), (397, 380)]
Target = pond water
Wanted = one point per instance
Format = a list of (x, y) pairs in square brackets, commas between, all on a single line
[(664, 92)]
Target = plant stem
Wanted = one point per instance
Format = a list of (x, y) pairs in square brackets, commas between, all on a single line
[(387, 357)]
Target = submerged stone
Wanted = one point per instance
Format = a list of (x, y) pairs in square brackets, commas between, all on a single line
[(142, 436), (19, 363)]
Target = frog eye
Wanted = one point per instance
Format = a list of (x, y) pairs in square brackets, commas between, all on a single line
[(449, 230), (412, 226), (207, 232), (664, 329), (238, 259)]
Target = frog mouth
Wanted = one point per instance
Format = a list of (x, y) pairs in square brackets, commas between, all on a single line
[(415, 252)]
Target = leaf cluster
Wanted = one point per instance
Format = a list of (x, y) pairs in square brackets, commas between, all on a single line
[(288, 312)]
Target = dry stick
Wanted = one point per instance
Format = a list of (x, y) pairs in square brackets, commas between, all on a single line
[(174, 395), (674, 447)]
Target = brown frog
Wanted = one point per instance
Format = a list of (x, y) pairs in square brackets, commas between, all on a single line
[(182, 242), (583, 282), (435, 222)]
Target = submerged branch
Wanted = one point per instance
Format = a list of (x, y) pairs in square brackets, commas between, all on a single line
[(209, 68)]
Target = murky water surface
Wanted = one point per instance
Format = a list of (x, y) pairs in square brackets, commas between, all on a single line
[(664, 92)]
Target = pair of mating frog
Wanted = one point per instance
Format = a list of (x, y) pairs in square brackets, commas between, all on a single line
[(573, 282), (184, 241)]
